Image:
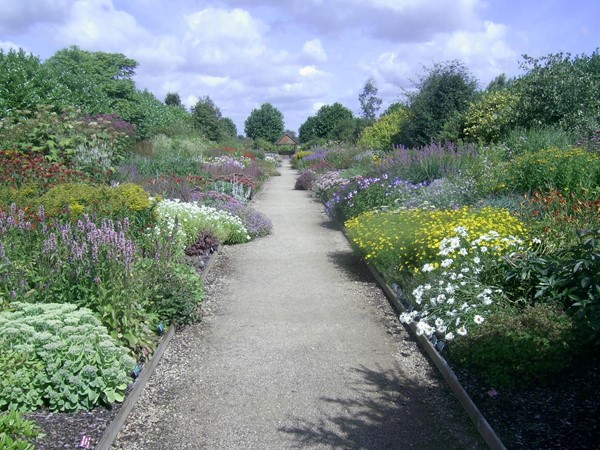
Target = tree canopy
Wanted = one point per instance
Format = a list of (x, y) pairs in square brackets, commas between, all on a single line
[(441, 92), (264, 123), (369, 102), (332, 122)]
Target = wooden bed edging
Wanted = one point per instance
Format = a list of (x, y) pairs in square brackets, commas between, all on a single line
[(483, 426), (113, 429)]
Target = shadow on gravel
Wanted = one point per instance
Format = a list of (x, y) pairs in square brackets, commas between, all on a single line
[(352, 266), (331, 225), (387, 412)]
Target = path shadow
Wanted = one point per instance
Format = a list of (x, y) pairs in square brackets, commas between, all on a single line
[(352, 265), (386, 412), (332, 225)]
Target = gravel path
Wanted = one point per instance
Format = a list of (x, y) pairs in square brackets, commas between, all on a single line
[(298, 349)]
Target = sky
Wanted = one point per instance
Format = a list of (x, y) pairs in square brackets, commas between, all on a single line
[(301, 54)]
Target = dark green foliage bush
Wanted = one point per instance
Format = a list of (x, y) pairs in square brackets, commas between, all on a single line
[(559, 89), (518, 348), (59, 356), (569, 277), (175, 291), (444, 90)]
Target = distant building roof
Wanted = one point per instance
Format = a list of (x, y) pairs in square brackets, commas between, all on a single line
[(287, 139)]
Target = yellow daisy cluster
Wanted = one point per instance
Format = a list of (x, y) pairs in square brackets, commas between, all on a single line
[(407, 238)]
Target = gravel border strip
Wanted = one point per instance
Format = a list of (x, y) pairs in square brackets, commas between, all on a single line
[(111, 432), (482, 425)]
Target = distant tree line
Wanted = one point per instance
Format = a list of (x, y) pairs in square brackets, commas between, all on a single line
[(558, 91)]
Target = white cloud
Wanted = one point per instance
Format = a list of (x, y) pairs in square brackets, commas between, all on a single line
[(19, 16), (309, 71), (98, 25), (216, 37), (486, 53), (390, 20), (8, 45), (314, 49)]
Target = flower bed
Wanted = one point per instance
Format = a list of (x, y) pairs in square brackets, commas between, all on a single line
[(503, 276)]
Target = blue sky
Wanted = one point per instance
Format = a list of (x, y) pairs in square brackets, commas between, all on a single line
[(300, 54)]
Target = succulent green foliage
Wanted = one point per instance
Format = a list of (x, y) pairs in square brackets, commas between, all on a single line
[(16, 432), (59, 356)]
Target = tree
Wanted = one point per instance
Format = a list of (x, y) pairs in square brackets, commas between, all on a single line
[(560, 90), (444, 90), (492, 116), (206, 117), (384, 132), (369, 102), (87, 74), (497, 84), (308, 130), (173, 99), (264, 123), (228, 128), (332, 122), (23, 83)]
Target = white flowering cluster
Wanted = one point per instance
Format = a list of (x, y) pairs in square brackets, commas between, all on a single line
[(225, 160), (455, 297), (192, 219)]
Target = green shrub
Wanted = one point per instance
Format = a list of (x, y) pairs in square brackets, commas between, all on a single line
[(175, 291), (59, 356), (519, 140), (491, 117), (572, 170), (518, 348), (381, 135), (126, 200), (16, 432), (569, 277)]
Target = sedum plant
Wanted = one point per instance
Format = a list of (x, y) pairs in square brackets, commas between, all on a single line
[(59, 356)]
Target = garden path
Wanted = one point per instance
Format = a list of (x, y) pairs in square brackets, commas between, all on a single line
[(298, 349)]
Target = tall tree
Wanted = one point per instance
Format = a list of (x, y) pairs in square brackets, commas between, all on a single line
[(264, 123), (112, 73), (560, 90), (206, 117), (22, 81), (369, 102), (442, 91), (228, 128), (332, 122), (173, 99)]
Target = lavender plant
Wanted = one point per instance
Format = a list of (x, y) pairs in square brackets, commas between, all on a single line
[(427, 163), (256, 223), (362, 194), (88, 264)]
